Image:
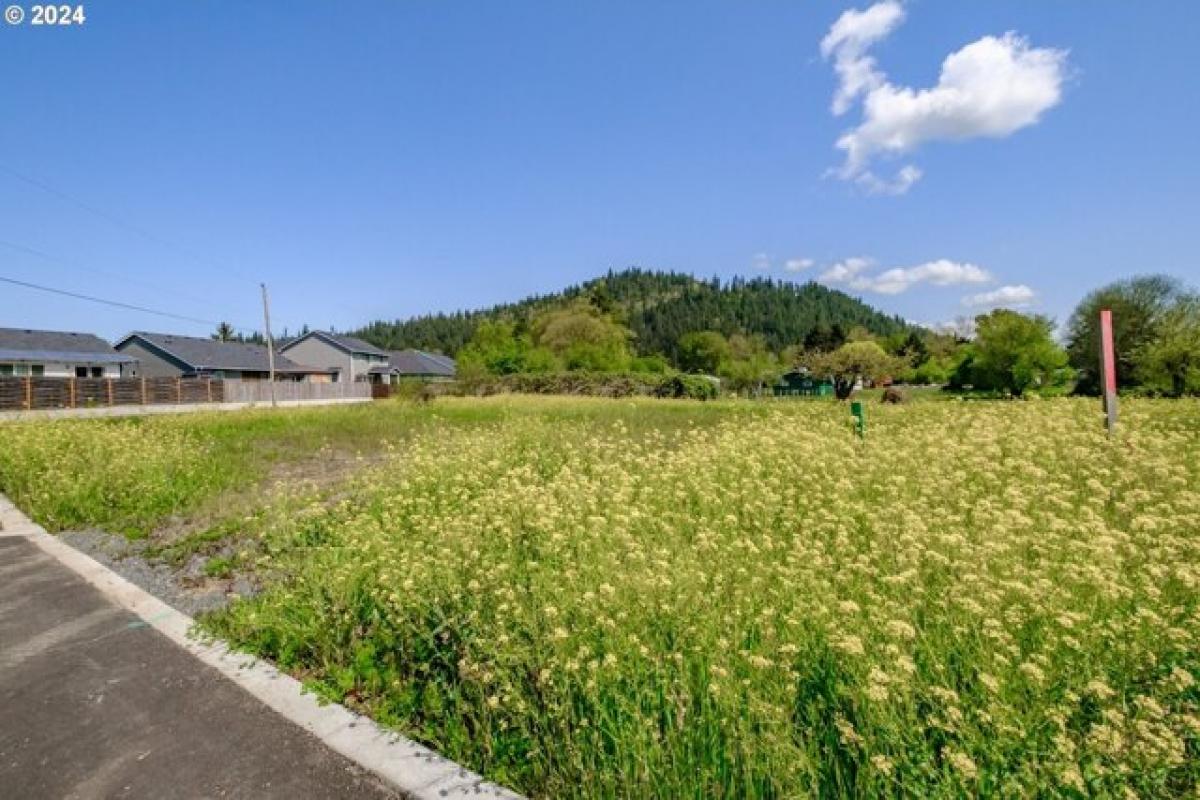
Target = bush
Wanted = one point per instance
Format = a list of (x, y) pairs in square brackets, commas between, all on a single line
[(691, 387), (894, 395)]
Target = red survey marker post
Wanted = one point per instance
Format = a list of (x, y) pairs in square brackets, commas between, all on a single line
[(1108, 368)]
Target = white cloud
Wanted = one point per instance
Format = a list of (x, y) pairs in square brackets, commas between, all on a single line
[(798, 264), (905, 178), (848, 40), (845, 271), (962, 327), (942, 272), (761, 262), (992, 87), (1009, 296)]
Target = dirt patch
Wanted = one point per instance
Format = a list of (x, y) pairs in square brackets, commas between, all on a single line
[(186, 589), (315, 474), (190, 562)]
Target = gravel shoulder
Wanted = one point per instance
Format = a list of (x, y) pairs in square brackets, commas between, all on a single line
[(185, 588)]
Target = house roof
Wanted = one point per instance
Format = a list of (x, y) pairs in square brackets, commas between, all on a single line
[(23, 344), (419, 362), (210, 354), (348, 343)]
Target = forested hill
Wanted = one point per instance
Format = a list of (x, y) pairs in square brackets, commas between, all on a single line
[(659, 307)]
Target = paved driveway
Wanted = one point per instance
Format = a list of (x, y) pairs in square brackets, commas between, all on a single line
[(94, 703)]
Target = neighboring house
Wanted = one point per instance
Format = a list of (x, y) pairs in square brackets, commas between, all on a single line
[(801, 382), (351, 358), (58, 354), (421, 364), (165, 355)]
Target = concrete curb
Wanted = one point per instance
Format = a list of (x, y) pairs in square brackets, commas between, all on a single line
[(411, 768), (169, 408)]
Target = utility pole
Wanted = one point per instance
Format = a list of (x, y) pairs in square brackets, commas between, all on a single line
[(270, 342), (1108, 369)]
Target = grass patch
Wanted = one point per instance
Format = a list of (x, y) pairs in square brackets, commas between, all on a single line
[(643, 598)]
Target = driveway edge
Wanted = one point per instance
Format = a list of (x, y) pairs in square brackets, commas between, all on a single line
[(411, 768)]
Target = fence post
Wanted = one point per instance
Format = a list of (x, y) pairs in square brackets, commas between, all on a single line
[(29, 394), (143, 390), (208, 385), (179, 390), (109, 382), (71, 392)]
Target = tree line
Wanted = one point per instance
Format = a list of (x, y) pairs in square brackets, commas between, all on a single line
[(750, 332), (1157, 336)]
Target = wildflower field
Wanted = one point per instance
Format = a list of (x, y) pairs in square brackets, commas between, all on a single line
[(600, 598)]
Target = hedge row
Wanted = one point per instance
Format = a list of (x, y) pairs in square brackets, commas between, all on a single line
[(595, 384)]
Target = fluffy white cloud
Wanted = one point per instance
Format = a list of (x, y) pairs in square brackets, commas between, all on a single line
[(847, 42), (992, 87), (942, 272), (798, 264), (761, 262), (846, 270), (1010, 296)]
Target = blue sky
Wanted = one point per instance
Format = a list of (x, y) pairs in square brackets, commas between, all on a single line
[(384, 159)]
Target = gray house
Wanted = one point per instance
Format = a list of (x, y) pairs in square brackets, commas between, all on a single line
[(350, 358), (165, 355), (60, 354), (421, 364)]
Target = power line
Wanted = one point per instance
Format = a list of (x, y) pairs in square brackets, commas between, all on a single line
[(99, 212), (33, 251), (45, 187), (114, 303)]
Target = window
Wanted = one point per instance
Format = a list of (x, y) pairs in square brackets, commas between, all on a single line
[(97, 372), (37, 370), (6, 370), (81, 372), (20, 369)]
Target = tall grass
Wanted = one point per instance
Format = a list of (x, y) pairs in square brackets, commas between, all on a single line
[(633, 599)]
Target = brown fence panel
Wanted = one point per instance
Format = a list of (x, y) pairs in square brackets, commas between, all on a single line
[(194, 390), (12, 394), (50, 393), (126, 391), (162, 390), (91, 392), (381, 391)]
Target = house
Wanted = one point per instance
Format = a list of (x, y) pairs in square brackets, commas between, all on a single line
[(59, 354), (800, 382), (350, 359), (165, 355), (421, 364)]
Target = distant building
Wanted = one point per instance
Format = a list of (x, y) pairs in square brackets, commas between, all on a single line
[(421, 364), (349, 358), (801, 383), (59, 354), (165, 355)]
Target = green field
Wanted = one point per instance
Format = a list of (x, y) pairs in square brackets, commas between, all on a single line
[(615, 598)]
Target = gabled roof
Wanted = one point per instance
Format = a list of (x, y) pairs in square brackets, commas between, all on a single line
[(420, 362), (347, 343), (210, 354), (23, 344)]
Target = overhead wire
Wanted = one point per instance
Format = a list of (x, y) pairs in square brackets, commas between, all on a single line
[(114, 303)]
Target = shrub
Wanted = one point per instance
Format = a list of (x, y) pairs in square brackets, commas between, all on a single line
[(691, 387)]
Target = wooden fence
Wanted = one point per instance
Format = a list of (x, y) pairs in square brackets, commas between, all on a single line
[(27, 394), (237, 391)]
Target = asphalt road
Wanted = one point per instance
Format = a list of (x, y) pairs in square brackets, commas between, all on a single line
[(94, 703)]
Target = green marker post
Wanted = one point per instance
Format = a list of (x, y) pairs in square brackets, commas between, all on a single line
[(860, 418)]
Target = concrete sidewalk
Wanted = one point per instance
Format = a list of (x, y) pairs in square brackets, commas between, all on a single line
[(169, 408), (95, 703)]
